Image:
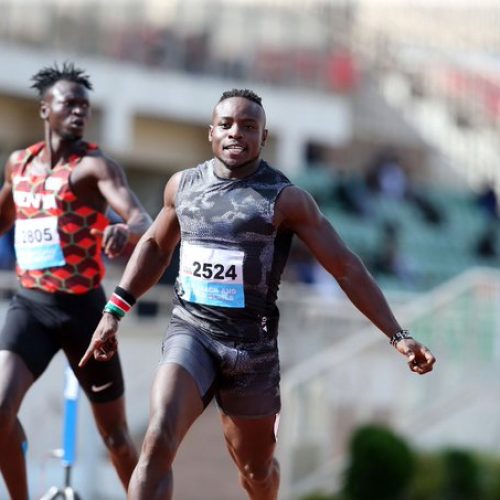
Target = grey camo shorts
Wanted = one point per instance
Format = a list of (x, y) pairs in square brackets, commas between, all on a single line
[(243, 377)]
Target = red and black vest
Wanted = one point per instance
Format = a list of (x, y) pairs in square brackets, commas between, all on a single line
[(55, 249)]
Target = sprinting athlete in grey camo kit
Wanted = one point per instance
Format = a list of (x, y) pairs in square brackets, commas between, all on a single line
[(235, 217)]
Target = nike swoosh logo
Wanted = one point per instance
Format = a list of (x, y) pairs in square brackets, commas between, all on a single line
[(99, 388)]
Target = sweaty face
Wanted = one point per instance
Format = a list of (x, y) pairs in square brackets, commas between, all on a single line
[(237, 133), (66, 108)]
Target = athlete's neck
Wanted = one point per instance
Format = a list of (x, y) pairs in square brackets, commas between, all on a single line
[(60, 150), (234, 172)]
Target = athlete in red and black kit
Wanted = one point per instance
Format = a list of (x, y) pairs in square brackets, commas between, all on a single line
[(56, 192)]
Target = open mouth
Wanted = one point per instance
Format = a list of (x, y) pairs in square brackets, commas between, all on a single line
[(77, 124), (235, 148)]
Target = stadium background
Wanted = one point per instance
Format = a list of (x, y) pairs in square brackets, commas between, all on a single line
[(388, 113)]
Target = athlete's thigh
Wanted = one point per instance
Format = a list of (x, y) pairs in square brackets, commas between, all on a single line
[(102, 382), (250, 440), (25, 333), (175, 402), (183, 345), (15, 380)]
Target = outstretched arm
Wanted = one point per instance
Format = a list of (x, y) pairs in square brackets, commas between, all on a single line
[(297, 211), (147, 264)]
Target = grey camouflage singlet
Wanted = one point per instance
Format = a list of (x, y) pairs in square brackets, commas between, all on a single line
[(232, 256)]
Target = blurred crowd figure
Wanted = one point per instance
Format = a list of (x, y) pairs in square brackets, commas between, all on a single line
[(387, 177), (487, 200), (486, 246), (389, 260), (384, 177), (7, 253), (352, 195)]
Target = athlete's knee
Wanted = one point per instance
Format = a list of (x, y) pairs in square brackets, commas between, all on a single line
[(158, 443), (118, 441), (258, 471)]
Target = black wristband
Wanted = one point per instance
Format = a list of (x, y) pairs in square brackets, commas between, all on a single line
[(401, 335), (126, 296)]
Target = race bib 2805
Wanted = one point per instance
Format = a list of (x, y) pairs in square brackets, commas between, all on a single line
[(37, 243)]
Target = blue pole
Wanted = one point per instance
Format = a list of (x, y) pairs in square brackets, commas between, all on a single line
[(71, 393)]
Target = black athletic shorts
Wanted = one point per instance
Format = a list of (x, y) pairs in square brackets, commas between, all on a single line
[(244, 377), (38, 324)]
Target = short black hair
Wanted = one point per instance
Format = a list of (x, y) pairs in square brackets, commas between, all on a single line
[(246, 93), (50, 75)]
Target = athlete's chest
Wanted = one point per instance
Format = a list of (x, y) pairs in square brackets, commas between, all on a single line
[(226, 209), (41, 190)]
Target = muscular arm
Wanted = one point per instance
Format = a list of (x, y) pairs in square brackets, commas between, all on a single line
[(149, 260), (298, 211), (113, 186), (101, 182), (154, 250)]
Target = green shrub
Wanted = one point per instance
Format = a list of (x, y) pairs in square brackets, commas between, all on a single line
[(454, 474), (490, 476), (381, 465), (461, 476), (428, 478)]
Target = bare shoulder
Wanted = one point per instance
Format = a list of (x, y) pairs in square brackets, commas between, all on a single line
[(99, 165), (99, 155), (292, 195), (15, 157), (12, 159), (294, 205), (171, 188)]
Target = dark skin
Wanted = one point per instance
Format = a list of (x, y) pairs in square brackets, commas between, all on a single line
[(237, 134), (99, 182)]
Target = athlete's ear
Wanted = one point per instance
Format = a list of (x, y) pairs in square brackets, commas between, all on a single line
[(44, 110), (210, 131), (264, 138)]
